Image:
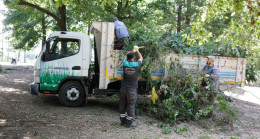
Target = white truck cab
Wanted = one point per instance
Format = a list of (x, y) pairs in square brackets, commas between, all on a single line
[(66, 56)]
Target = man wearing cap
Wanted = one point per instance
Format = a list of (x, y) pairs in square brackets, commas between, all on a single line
[(212, 72), (122, 35), (129, 85)]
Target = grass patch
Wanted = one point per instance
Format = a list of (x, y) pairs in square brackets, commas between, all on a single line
[(204, 137), (104, 129), (149, 122), (115, 124), (180, 130), (165, 128), (98, 112), (9, 68)]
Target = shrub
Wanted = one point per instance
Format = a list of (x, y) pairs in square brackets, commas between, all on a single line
[(187, 96)]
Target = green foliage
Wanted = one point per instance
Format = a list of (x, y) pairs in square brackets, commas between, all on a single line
[(204, 137), (235, 25), (253, 65), (229, 114), (159, 43), (186, 98), (9, 68), (251, 73), (216, 27), (60, 3), (26, 26), (220, 28), (166, 129), (181, 129)]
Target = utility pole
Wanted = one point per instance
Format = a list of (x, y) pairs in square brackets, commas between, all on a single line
[(24, 56), (2, 46)]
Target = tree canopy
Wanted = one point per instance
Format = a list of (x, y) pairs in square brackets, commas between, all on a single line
[(215, 27)]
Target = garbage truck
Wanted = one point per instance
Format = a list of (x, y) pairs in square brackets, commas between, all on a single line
[(64, 65)]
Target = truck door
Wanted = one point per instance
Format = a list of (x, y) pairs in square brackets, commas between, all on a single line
[(60, 60)]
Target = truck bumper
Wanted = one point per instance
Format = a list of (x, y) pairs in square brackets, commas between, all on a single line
[(34, 88)]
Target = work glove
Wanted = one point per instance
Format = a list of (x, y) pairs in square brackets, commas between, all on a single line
[(207, 76), (136, 48)]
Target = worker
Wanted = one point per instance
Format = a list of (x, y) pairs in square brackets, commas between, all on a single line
[(213, 73), (121, 35), (129, 85), (14, 57)]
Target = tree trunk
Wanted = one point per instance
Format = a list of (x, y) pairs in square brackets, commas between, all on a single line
[(188, 13), (43, 30), (62, 25), (62, 21), (170, 30), (119, 10), (62, 10), (179, 18), (24, 56)]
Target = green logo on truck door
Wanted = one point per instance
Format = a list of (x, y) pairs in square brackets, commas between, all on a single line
[(50, 77)]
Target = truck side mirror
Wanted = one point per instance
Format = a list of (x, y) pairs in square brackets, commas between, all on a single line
[(46, 54), (43, 56)]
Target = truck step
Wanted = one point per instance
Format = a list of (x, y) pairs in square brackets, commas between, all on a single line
[(106, 91)]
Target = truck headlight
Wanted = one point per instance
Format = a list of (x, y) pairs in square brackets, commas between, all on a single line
[(37, 73)]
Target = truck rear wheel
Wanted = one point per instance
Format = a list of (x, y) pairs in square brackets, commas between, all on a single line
[(72, 94)]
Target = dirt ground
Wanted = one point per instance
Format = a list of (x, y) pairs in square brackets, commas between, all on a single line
[(23, 115)]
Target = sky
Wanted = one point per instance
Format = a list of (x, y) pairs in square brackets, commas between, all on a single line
[(3, 41), (4, 44), (2, 7)]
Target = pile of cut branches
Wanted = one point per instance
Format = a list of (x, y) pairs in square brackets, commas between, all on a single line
[(186, 95)]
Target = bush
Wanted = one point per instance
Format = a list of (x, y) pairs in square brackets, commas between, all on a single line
[(187, 96), (227, 115), (251, 73)]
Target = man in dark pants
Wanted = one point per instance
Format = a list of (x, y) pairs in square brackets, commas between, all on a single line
[(122, 35), (129, 85)]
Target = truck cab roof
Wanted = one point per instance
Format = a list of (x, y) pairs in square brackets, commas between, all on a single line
[(68, 34)]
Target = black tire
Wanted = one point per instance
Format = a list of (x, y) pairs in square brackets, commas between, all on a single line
[(72, 94)]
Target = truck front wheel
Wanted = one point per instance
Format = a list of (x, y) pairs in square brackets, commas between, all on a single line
[(72, 94)]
